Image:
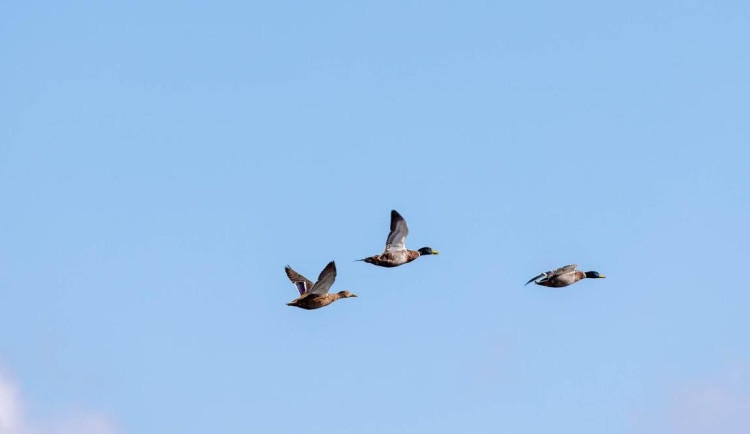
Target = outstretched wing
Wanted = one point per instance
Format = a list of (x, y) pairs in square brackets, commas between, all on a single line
[(533, 279), (325, 280), (560, 271), (397, 237), (303, 285)]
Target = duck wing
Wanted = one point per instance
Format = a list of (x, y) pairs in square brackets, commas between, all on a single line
[(549, 275), (560, 271), (325, 280), (397, 237), (535, 278), (303, 285)]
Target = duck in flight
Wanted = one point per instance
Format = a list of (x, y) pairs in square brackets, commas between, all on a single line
[(314, 296), (395, 253), (563, 276)]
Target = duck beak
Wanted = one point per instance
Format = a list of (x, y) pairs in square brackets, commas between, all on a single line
[(353, 295), (435, 252), (602, 277)]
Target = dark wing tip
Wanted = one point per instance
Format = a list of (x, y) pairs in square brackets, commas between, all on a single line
[(534, 278), (329, 269), (395, 219), (293, 275)]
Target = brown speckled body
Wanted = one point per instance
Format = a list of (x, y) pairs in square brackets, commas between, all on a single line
[(563, 280), (311, 301), (393, 259)]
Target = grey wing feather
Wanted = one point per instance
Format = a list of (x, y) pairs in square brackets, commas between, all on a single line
[(303, 285), (535, 278), (325, 280), (397, 237), (562, 270)]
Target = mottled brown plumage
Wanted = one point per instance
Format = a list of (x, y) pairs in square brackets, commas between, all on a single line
[(563, 280), (395, 253), (314, 301), (393, 259), (563, 276), (314, 296)]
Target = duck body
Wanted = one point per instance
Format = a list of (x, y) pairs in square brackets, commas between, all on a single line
[(311, 301), (563, 280), (563, 276), (396, 253), (393, 259), (315, 295)]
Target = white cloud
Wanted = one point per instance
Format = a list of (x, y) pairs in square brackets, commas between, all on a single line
[(13, 420), (10, 408), (711, 405)]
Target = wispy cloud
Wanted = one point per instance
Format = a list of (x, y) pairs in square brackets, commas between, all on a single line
[(10, 408), (13, 420), (711, 407), (715, 404)]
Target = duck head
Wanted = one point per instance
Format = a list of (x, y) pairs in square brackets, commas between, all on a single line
[(427, 251), (346, 294), (594, 275)]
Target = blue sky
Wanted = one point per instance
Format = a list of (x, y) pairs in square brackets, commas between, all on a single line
[(160, 163)]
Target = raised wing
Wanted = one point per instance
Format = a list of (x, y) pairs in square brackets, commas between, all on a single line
[(325, 280), (397, 237), (303, 285), (560, 271)]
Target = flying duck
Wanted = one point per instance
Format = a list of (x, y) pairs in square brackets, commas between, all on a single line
[(563, 276), (395, 253), (314, 296)]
